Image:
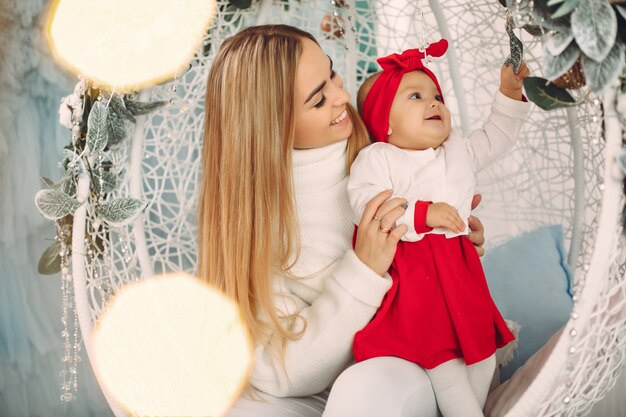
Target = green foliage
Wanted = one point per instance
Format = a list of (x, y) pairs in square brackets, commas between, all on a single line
[(542, 12), (121, 211), (109, 181), (49, 183), (97, 135), (621, 22), (240, 4), (547, 95), (594, 26), (50, 261), (138, 108), (601, 74), (107, 121), (555, 65), (55, 204), (557, 42), (567, 6), (592, 31)]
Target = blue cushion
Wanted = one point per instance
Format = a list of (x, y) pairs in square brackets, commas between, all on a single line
[(531, 284)]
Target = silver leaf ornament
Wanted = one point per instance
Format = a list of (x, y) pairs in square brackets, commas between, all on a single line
[(54, 204), (555, 65), (121, 211), (594, 26), (515, 46), (601, 74), (558, 42), (97, 134)]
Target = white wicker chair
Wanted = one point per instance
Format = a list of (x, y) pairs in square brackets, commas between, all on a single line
[(562, 171)]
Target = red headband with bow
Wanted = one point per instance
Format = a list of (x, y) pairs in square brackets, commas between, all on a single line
[(378, 102)]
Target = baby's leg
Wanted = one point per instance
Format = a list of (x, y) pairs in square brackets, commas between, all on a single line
[(480, 375), (454, 393)]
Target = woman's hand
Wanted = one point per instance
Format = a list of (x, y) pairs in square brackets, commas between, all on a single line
[(377, 235), (477, 231)]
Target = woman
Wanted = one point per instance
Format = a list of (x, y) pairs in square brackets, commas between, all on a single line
[(275, 228)]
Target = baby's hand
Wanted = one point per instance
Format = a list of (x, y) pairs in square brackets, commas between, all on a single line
[(510, 83), (444, 215)]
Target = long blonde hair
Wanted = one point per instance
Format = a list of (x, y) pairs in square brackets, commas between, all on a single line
[(247, 221)]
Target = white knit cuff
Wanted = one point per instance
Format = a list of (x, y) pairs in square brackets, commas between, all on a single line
[(516, 109), (360, 281)]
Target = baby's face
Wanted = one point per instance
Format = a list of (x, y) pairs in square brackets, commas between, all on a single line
[(418, 118)]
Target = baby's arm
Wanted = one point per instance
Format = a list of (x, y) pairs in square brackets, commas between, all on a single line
[(511, 83), (499, 133), (369, 176), (444, 215)]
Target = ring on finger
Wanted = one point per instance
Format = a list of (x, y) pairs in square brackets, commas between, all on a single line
[(384, 230), (376, 218)]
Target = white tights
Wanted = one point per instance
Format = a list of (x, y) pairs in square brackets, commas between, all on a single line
[(462, 390), (386, 386)]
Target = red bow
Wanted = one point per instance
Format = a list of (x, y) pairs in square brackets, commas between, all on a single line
[(411, 59)]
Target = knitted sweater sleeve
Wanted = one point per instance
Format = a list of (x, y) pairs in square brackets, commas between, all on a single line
[(499, 133), (352, 293)]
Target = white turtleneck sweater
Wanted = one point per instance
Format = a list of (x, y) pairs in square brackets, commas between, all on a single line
[(338, 300)]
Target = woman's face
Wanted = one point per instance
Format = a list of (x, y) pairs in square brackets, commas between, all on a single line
[(321, 102)]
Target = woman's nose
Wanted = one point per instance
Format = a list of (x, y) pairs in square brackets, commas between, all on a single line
[(341, 96)]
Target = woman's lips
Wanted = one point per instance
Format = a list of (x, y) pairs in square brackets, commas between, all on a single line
[(341, 119)]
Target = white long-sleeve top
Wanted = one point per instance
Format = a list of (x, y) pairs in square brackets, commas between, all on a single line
[(337, 301), (445, 174)]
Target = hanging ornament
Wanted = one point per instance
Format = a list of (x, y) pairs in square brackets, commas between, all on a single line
[(332, 25), (515, 45), (335, 26), (573, 78)]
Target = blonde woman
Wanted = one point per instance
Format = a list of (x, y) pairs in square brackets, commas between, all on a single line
[(275, 230)]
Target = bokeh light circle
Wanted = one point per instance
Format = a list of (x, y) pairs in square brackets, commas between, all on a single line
[(172, 346), (127, 45)]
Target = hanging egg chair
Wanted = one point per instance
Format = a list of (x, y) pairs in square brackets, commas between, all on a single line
[(562, 171)]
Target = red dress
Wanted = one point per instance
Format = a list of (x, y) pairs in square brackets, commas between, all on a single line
[(438, 307)]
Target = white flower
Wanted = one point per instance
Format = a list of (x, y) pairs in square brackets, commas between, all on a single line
[(65, 113), (71, 108), (76, 103)]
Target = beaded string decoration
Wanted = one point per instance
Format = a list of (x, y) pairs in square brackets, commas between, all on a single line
[(423, 44), (69, 319), (335, 25)]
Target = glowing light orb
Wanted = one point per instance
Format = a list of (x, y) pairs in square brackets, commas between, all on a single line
[(172, 346), (127, 44)]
